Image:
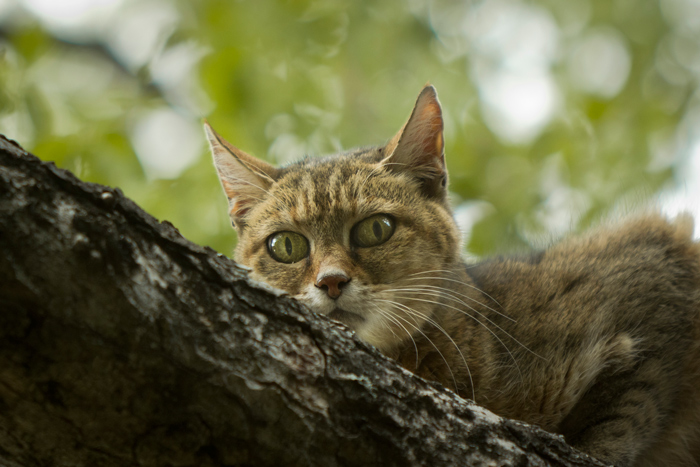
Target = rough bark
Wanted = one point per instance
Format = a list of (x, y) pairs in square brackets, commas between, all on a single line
[(124, 344)]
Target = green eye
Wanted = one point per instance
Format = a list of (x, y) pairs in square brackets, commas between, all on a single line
[(288, 247), (373, 231)]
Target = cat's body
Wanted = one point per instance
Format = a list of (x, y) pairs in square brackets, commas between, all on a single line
[(608, 341), (597, 338)]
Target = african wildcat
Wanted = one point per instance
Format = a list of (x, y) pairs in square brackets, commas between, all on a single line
[(597, 338)]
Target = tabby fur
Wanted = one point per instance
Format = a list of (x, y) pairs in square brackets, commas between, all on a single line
[(596, 338)]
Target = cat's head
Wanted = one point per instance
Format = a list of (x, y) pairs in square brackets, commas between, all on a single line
[(351, 235)]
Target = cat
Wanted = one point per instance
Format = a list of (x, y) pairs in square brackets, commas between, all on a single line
[(596, 338)]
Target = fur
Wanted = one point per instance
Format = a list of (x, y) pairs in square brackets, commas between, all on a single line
[(596, 338)]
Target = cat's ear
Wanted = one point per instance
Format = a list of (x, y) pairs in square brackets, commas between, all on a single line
[(245, 179), (419, 147)]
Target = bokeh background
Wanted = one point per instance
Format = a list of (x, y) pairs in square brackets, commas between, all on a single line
[(556, 112)]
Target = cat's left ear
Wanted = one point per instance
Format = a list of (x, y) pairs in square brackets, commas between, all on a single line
[(246, 180), (419, 147)]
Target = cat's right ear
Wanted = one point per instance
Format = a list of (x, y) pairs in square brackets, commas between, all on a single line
[(245, 179), (418, 148)]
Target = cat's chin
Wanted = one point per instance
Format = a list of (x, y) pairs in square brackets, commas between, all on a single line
[(346, 317)]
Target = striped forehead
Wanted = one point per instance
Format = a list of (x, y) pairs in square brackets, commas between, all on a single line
[(320, 196), (323, 194)]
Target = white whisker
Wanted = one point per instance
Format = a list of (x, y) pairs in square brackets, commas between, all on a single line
[(457, 281), (228, 176), (484, 326), (413, 312), (362, 185), (486, 318), (386, 315), (462, 295)]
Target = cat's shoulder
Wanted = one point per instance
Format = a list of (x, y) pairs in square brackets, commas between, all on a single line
[(649, 242)]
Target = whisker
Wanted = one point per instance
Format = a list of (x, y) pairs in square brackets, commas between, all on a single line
[(444, 295), (414, 312), (386, 315), (362, 185), (246, 182), (454, 280), (417, 328), (384, 318), (463, 295), (485, 327), (490, 321)]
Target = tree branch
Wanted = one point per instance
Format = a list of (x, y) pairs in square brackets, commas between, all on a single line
[(122, 343)]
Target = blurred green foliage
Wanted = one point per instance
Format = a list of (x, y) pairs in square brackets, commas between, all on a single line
[(280, 79)]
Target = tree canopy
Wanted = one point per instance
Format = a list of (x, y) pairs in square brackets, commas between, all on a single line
[(555, 111)]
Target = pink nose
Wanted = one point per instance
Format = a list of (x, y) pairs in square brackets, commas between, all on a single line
[(333, 283)]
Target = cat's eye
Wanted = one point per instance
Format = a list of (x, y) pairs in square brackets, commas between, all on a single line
[(288, 247), (373, 231)]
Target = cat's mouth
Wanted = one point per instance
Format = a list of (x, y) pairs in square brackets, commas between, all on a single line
[(346, 317)]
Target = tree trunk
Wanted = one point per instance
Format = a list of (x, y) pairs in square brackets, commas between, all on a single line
[(123, 344)]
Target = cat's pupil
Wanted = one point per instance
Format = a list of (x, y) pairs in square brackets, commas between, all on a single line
[(288, 246), (377, 229)]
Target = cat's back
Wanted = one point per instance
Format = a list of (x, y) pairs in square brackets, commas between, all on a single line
[(643, 263), (615, 310)]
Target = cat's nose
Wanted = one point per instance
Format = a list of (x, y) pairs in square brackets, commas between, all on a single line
[(333, 284)]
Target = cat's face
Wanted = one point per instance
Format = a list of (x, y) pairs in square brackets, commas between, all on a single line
[(350, 235)]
